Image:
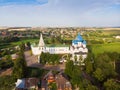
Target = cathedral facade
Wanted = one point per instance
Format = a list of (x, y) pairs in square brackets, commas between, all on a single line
[(78, 49)]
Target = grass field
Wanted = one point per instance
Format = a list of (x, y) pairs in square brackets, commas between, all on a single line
[(26, 40), (12, 44), (109, 47), (111, 32)]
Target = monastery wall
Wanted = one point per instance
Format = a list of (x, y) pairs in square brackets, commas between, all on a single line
[(51, 50)]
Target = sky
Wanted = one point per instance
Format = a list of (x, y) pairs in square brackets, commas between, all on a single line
[(60, 13)]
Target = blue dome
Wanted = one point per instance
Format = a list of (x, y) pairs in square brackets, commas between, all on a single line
[(79, 37), (75, 41), (84, 42)]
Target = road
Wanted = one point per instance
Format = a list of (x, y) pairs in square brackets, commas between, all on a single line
[(32, 62)]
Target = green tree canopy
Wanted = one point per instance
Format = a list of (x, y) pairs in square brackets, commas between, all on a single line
[(111, 84), (69, 68), (49, 58), (20, 66), (91, 87), (104, 67)]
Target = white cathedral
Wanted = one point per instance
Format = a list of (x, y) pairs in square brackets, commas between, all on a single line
[(77, 49)]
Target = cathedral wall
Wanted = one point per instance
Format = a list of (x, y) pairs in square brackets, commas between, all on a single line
[(35, 50), (57, 50), (51, 50)]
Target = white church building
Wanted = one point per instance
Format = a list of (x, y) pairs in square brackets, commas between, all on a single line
[(78, 49)]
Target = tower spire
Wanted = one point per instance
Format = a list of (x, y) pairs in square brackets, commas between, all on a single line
[(41, 41)]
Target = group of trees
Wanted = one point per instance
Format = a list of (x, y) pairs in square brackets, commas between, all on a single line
[(19, 70), (12, 50), (103, 69), (9, 39), (5, 55), (95, 41), (6, 63), (57, 40), (52, 86), (49, 58), (7, 83), (20, 66), (7, 52), (77, 78), (100, 72)]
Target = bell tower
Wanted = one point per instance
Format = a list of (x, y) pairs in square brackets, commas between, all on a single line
[(41, 44)]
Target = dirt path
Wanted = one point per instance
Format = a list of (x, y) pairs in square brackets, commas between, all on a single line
[(6, 72), (32, 61)]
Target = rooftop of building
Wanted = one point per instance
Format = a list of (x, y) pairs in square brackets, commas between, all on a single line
[(78, 39), (26, 83), (57, 45)]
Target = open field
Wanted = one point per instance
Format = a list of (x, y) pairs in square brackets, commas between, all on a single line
[(26, 40), (109, 47), (107, 28), (111, 32), (12, 44)]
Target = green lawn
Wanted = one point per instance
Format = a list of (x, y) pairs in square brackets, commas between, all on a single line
[(110, 32), (8, 45), (109, 47), (26, 40)]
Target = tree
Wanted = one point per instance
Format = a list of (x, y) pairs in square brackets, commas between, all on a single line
[(53, 86), (7, 83), (8, 57), (89, 63), (75, 58), (76, 75), (22, 47), (69, 68), (91, 87), (5, 52), (103, 68), (89, 67), (19, 69), (43, 58), (111, 84), (6, 64), (49, 58), (74, 72), (99, 75), (28, 45), (53, 40), (20, 66)]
